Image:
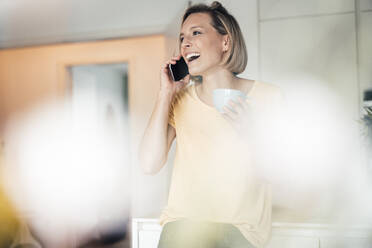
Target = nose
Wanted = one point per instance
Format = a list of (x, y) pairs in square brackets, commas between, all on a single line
[(185, 43)]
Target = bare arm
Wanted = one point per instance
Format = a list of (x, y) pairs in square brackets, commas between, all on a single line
[(159, 135), (157, 139)]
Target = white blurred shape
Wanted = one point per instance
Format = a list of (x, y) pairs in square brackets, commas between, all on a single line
[(311, 153), (67, 168)]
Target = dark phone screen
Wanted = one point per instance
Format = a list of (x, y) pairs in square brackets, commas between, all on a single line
[(179, 70)]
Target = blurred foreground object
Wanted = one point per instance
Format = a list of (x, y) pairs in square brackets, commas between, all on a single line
[(69, 170), (24, 238), (8, 221)]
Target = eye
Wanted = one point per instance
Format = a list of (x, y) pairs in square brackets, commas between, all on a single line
[(196, 32), (181, 39)]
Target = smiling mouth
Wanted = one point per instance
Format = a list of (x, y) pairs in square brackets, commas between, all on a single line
[(192, 57)]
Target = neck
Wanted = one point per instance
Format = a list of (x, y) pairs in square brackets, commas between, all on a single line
[(218, 79)]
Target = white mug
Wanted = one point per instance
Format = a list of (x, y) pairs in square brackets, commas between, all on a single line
[(221, 97)]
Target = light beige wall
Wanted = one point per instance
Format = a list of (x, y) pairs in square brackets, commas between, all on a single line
[(28, 75), (304, 42)]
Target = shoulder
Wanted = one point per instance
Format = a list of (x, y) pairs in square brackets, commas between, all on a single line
[(183, 94), (267, 88), (269, 95)]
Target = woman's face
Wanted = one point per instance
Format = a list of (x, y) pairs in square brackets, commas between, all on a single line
[(198, 37)]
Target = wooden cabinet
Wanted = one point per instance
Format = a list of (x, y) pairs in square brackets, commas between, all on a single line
[(146, 234)]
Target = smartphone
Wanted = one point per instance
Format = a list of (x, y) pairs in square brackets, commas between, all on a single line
[(179, 70)]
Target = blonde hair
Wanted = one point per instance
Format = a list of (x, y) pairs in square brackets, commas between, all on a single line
[(224, 23)]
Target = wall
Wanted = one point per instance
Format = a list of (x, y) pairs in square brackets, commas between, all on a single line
[(28, 75), (316, 40)]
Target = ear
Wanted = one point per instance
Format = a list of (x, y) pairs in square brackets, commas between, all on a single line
[(225, 43)]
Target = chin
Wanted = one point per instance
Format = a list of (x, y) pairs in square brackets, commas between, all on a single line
[(200, 70), (196, 71)]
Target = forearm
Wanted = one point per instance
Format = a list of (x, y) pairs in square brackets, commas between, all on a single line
[(154, 145)]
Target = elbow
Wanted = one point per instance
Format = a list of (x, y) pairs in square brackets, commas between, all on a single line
[(150, 166), (149, 172), (147, 169)]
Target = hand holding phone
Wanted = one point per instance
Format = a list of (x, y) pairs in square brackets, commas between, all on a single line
[(167, 84), (179, 70)]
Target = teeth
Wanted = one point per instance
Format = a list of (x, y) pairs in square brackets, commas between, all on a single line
[(191, 55)]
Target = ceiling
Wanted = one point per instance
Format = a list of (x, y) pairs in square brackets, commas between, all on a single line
[(37, 22)]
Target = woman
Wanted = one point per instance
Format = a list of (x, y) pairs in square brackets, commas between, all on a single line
[(215, 198)]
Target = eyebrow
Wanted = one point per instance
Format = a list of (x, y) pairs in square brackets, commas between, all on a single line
[(192, 28)]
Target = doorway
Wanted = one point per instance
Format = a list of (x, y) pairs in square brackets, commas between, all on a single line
[(99, 92)]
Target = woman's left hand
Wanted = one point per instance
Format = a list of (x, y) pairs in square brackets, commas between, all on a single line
[(239, 115)]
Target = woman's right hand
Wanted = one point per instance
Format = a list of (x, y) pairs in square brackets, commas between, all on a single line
[(167, 85)]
